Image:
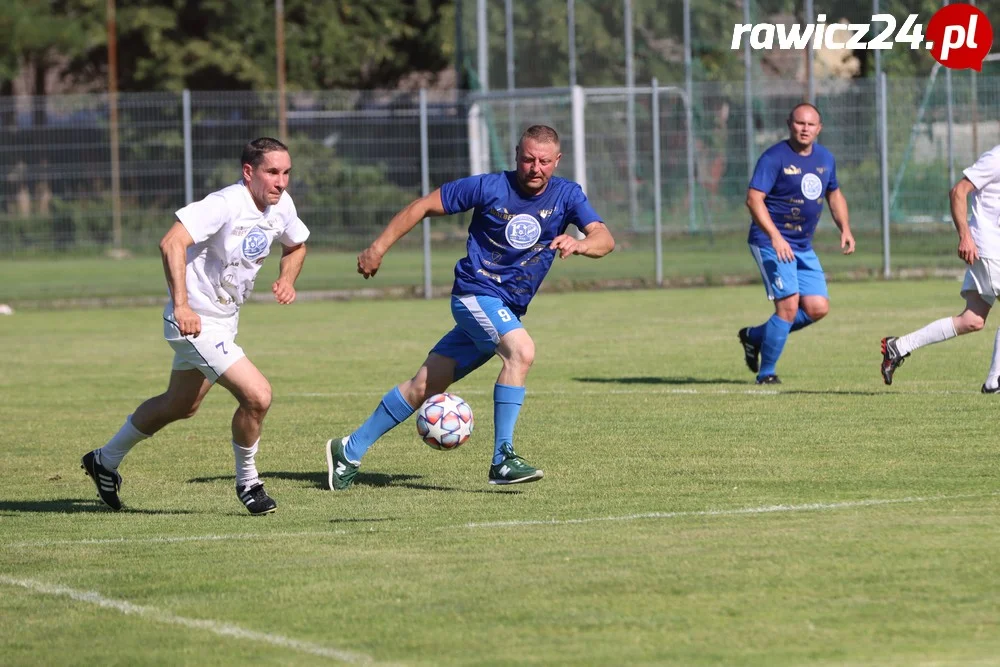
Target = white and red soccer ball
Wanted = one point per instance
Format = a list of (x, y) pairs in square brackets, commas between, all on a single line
[(444, 421)]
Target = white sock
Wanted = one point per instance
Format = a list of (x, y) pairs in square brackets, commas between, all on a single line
[(110, 455), (935, 332), (994, 375), (246, 469)]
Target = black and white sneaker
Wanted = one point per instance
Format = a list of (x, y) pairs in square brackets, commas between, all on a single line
[(256, 499), (768, 379), (988, 390), (108, 482), (751, 353)]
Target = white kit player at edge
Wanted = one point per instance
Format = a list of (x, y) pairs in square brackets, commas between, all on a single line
[(211, 257), (979, 247)]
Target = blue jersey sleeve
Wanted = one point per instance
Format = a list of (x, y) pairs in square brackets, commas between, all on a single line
[(463, 194), (765, 173), (832, 184), (579, 212)]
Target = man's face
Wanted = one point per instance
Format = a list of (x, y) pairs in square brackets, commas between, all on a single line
[(269, 179), (536, 161), (804, 126)]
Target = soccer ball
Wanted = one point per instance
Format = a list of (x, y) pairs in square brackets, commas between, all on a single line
[(444, 421)]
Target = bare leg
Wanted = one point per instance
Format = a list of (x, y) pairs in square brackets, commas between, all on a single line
[(253, 392), (184, 394)]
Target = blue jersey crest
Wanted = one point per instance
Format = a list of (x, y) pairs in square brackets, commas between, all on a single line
[(523, 231)]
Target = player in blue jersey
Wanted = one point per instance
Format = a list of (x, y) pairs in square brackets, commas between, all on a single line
[(785, 199), (518, 226)]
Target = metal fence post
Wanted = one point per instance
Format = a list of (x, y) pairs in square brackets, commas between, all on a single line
[(748, 94), (425, 189), (883, 149), (657, 176), (188, 151), (578, 101)]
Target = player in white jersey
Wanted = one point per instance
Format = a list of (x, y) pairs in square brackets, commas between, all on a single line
[(211, 256), (979, 247)]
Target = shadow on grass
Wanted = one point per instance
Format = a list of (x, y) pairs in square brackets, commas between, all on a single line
[(660, 380), (383, 480), (73, 506), (316, 479)]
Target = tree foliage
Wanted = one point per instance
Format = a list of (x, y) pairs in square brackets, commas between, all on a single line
[(329, 44), (229, 44)]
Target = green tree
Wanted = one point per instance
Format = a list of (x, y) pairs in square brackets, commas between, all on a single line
[(231, 45)]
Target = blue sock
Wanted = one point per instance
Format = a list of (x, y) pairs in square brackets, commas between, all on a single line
[(775, 334), (756, 334), (507, 402), (801, 320), (391, 411)]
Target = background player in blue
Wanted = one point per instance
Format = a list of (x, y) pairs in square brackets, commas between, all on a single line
[(785, 199), (518, 226)]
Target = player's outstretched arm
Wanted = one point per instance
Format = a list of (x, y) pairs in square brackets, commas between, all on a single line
[(292, 258), (838, 209), (597, 242), (370, 258), (173, 250)]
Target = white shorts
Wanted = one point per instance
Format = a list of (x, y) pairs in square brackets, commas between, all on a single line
[(983, 277), (212, 352)]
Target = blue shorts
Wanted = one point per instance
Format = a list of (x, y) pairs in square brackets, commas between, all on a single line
[(783, 279), (481, 322)]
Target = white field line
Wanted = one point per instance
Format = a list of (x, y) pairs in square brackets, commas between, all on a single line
[(160, 616), (739, 511), (766, 509)]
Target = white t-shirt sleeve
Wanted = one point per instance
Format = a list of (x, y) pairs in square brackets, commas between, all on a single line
[(986, 170), (206, 217), (296, 231)]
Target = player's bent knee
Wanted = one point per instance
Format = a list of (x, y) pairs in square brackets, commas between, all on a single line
[(816, 313), (974, 324), (258, 399)]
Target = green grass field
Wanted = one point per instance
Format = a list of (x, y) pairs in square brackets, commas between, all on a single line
[(686, 517), (700, 259)]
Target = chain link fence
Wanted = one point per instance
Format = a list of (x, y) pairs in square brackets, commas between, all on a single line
[(356, 161)]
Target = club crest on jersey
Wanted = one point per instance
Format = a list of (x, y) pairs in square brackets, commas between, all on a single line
[(523, 231), (812, 187), (254, 244)]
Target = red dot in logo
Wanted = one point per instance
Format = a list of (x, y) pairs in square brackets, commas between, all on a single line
[(961, 36)]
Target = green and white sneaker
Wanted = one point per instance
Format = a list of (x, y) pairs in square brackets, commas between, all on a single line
[(513, 469), (340, 471)]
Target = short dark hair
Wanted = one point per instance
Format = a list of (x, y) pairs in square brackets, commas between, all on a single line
[(805, 104), (540, 133), (254, 152)]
